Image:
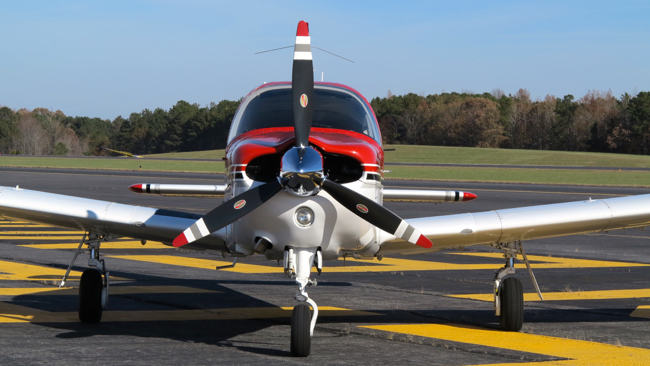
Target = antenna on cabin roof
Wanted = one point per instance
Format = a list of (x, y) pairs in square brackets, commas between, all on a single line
[(281, 48)]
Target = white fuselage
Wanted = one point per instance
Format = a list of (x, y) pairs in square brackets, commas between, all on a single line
[(335, 229)]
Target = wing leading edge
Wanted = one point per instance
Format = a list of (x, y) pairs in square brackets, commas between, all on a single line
[(102, 217), (524, 223)]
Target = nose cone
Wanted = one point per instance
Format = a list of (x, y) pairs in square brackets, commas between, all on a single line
[(467, 196), (137, 188), (302, 160)]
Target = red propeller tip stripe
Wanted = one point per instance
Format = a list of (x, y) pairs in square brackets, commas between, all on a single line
[(424, 242), (179, 241), (468, 196), (137, 188), (303, 29)]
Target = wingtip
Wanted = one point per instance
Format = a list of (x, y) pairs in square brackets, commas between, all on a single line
[(467, 196), (424, 242), (137, 188), (179, 241), (303, 29)]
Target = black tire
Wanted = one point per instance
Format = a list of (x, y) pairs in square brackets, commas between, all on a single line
[(90, 296), (300, 324), (511, 295)]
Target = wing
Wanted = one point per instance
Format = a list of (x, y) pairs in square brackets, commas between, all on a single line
[(101, 217), (525, 223)]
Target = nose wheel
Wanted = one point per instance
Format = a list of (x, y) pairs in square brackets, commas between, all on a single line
[(300, 329), (297, 264)]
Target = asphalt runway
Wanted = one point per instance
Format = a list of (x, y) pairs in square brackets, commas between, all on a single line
[(171, 307)]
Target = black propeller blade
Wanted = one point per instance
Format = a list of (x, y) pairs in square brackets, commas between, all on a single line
[(302, 85), (375, 214), (228, 212)]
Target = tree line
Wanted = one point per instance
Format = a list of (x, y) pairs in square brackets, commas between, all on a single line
[(597, 121), (184, 127)]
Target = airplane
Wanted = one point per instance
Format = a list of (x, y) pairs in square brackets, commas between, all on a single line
[(124, 153), (304, 185)]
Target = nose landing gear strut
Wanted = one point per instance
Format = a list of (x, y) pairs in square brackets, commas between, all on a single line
[(297, 264)]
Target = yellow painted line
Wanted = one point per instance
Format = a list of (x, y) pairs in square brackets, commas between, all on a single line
[(642, 311), (11, 313), (112, 245), (114, 290), (621, 236), (48, 237), (555, 262), (28, 272), (29, 224), (578, 352), (386, 265), (38, 232), (578, 295), (200, 263)]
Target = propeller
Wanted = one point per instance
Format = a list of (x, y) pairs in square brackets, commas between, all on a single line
[(302, 85), (302, 171)]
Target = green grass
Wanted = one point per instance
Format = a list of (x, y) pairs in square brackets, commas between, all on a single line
[(473, 155), (114, 164), (207, 154)]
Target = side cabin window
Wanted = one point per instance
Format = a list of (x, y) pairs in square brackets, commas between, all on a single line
[(333, 108)]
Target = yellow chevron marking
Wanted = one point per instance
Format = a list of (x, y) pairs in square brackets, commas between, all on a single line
[(578, 352), (578, 295), (49, 237), (114, 290), (642, 311), (28, 272), (11, 313), (111, 245)]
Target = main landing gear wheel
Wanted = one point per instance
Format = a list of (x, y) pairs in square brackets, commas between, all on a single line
[(300, 326), (511, 296), (91, 286)]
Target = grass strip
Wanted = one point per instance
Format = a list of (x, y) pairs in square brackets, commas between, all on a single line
[(115, 164), (475, 155)]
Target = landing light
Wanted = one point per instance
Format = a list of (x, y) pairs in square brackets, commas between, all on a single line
[(304, 216)]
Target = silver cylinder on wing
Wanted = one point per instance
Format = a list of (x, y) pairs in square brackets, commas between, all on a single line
[(427, 195), (179, 189)]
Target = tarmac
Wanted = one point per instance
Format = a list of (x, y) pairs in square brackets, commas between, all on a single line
[(171, 307)]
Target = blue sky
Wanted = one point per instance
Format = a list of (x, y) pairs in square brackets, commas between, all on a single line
[(110, 58)]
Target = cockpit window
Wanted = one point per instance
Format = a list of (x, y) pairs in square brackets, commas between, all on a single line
[(333, 108)]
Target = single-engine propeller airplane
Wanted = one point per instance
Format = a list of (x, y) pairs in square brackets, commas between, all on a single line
[(304, 185)]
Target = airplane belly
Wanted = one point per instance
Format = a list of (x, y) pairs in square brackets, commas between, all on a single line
[(334, 228)]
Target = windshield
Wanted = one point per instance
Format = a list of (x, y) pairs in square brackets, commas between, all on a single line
[(333, 108)]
